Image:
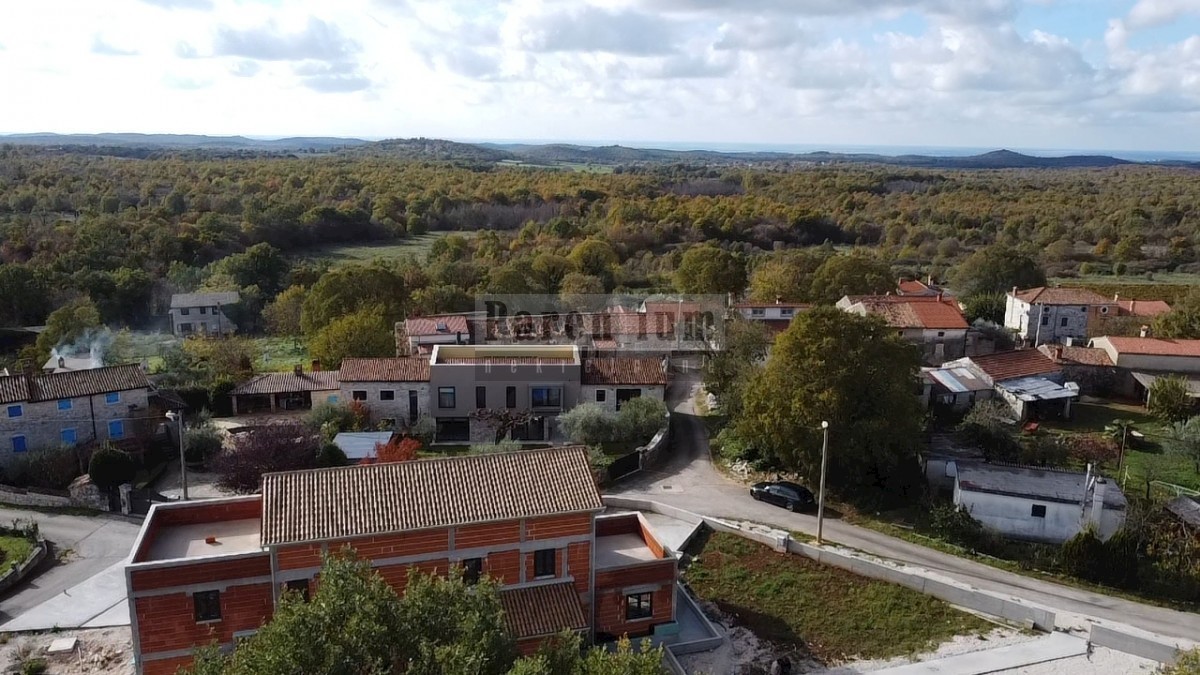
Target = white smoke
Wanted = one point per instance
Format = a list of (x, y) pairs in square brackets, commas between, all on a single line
[(90, 350)]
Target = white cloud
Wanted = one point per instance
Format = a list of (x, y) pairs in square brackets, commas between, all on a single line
[(1151, 13)]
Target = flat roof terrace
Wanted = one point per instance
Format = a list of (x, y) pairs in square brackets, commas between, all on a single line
[(505, 355), (625, 539), (226, 537)]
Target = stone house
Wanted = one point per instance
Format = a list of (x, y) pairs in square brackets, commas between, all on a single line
[(202, 313), (1051, 314), (934, 324), (394, 390), (46, 410), (610, 381)]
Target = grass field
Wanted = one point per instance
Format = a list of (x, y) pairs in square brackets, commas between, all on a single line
[(346, 254), (798, 603), (15, 550), (277, 354), (1132, 279)]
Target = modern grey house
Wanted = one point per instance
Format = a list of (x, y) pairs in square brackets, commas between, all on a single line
[(202, 313), (47, 410)]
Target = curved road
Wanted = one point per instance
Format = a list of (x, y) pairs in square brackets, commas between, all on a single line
[(689, 481)]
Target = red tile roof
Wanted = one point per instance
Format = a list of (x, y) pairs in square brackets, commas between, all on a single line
[(1077, 356), (1011, 365), (854, 299), (1146, 308), (931, 315), (914, 287), (767, 305), (286, 383), (1043, 295), (413, 369), (624, 370), (1155, 346), (445, 324), (71, 384), (542, 610)]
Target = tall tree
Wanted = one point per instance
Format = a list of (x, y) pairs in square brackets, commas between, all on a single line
[(548, 270), (349, 289), (729, 368), (1183, 321), (365, 333), (282, 315), (708, 269), (996, 269), (786, 276), (854, 274), (853, 372), (66, 325)]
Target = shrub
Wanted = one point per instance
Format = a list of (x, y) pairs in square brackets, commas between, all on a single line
[(360, 416), (424, 429), (1093, 448), (1083, 556), (956, 526), (588, 424), (1169, 399), (1121, 558), (504, 445), (201, 443), (640, 418), (111, 467), (330, 415), (988, 425), (330, 455), (398, 449), (274, 447), (1043, 450), (49, 469)]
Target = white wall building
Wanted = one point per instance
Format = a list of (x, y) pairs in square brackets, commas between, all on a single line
[(1040, 315), (202, 313), (1042, 505)]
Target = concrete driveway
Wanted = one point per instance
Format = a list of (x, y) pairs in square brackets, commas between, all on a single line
[(689, 481), (80, 585)]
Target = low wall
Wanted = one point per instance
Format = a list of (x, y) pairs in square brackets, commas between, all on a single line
[(34, 497), (40, 551), (1134, 644), (653, 451)]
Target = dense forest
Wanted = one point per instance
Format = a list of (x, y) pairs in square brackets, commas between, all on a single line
[(127, 232)]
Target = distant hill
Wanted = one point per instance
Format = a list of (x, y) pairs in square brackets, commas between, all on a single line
[(435, 149)]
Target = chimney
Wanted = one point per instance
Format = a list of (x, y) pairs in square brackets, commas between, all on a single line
[(211, 541), (316, 365), (1014, 291), (1116, 297), (929, 280), (299, 370), (62, 362), (1145, 331), (779, 299)]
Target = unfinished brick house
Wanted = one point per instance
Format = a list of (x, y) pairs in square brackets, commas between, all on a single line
[(213, 570)]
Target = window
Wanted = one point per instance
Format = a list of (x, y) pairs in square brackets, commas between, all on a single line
[(941, 333), (184, 311), (359, 395), (446, 397), (1045, 320), (1038, 511), (1063, 322), (15, 411), (787, 312), (626, 395), (18, 444), (214, 310), (480, 397), (185, 328), (206, 605), (601, 395), (298, 586), (387, 395), (453, 430), (68, 437), (758, 312), (204, 310), (64, 404), (510, 397), (639, 606), (1083, 309), (533, 430), (112, 397), (546, 397), (545, 562), (116, 429), (472, 570), (333, 398), (413, 406)]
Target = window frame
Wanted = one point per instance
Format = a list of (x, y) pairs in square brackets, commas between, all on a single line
[(480, 397), (358, 394), (20, 411), (552, 402), (204, 310), (472, 570), (24, 443), (294, 586), (120, 425), (1037, 511), (601, 395), (112, 398), (185, 311), (204, 604), (510, 397), (639, 606), (65, 404), (443, 393), (540, 557), (62, 436), (387, 394)]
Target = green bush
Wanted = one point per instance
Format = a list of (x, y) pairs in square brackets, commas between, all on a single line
[(424, 430), (1122, 558), (326, 417), (956, 526), (1084, 556), (111, 467), (34, 666), (589, 424), (201, 443), (640, 418), (504, 445), (49, 469), (330, 455)]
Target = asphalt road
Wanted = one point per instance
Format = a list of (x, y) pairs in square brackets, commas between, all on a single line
[(91, 544), (689, 481)]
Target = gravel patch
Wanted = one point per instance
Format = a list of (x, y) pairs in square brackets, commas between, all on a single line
[(101, 651)]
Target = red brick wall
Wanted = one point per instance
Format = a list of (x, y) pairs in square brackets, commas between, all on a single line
[(167, 622), (579, 565), (166, 666), (299, 557), (504, 566), (558, 526), (201, 512), (610, 598), (201, 572), (396, 545), (397, 575), (651, 542), (471, 536), (614, 525)]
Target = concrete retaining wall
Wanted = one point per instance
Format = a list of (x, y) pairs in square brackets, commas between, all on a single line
[(33, 497), (40, 551), (1133, 644)]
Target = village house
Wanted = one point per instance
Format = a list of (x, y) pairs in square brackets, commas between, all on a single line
[(1089, 367), (47, 410), (296, 390), (202, 313), (213, 570), (934, 324), (1051, 314), (1140, 361), (395, 391), (418, 335), (610, 381), (1034, 504), (1029, 381)]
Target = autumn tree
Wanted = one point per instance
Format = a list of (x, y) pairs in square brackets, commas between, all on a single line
[(785, 276), (265, 449), (1183, 321), (996, 269), (398, 449), (67, 324), (351, 289), (853, 274), (362, 334), (548, 271), (282, 315), (708, 269), (853, 372), (595, 258), (582, 292)]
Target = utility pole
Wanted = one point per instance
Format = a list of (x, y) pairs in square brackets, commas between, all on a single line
[(178, 417), (821, 496)]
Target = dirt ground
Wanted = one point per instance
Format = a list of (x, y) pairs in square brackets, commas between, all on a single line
[(100, 651)]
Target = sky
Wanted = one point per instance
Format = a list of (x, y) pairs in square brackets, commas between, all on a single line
[(1081, 74)]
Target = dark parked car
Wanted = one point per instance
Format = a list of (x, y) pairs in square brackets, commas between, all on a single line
[(790, 496)]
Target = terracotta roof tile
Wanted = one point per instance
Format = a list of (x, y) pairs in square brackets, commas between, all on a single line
[(322, 504), (624, 370), (284, 383), (1043, 295), (768, 305), (71, 384), (1155, 346), (413, 369), (933, 315), (542, 610), (1011, 365), (1077, 356), (1146, 308), (446, 324)]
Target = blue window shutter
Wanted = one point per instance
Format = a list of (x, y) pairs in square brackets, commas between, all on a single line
[(68, 436), (116, 429), (64, 404), (18, 444)]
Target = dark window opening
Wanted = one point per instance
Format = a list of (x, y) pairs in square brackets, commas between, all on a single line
[(387, 395), (1038, 511), (446, 397), (510, 397), (413, 407), (299, 586), (545, 562), (453, 429), (601, 395), (480, 397), (624, 395), (206, 605), (533, 430), (546, 397), (639, 606), (472, 570), (358, 395)]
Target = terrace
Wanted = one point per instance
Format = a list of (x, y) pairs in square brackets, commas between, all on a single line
[(200, 529)]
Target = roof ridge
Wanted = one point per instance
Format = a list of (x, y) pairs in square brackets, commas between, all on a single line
[(432, 460)]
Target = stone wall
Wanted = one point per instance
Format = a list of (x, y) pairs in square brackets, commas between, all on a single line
[(34, 497)]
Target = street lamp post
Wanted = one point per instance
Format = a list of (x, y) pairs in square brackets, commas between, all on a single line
[(178, 417), (821, 496)]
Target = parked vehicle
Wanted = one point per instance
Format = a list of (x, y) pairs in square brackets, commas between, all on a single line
[(790, 496)]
